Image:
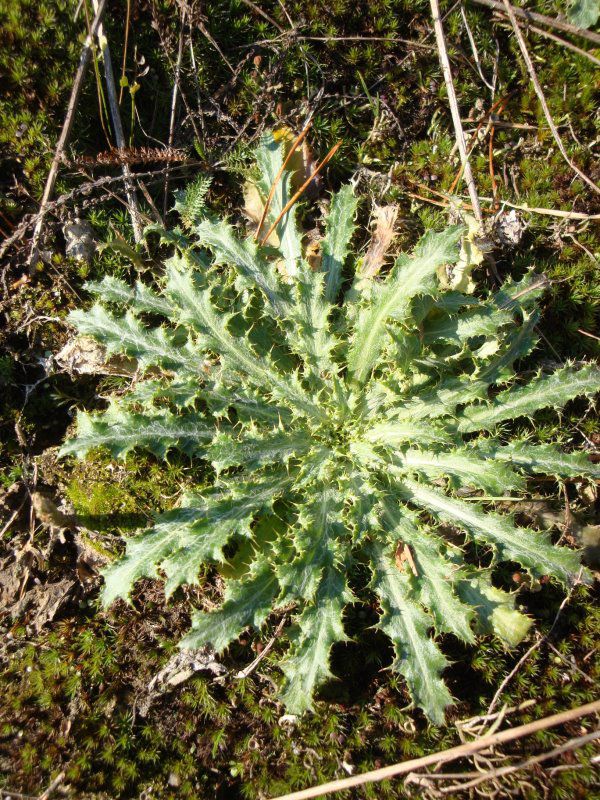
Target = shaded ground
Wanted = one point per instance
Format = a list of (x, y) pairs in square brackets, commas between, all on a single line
[(75, 681)]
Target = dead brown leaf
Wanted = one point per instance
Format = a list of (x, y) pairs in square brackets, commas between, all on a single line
[(403, 557), (47, 512), (85, 356), (41, 604)]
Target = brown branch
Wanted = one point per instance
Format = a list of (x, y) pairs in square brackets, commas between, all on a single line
[(65, 133), (468, 749), (538, 90)]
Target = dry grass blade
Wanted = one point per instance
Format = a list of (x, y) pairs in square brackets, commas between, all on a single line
[(115, 114), (174, 103), (547, 212), (484, 743), (458, 129)]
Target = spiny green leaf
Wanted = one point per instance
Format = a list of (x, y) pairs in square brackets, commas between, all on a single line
[(543, 459), (496, 612), (437, 574), (247, 602), (151, 346), (184, 539), (418, 659), (316, 537), (463, 466), (315, 341), (549, 390), (533, 550), (584, 13), (196, 309), (317, 629), (486, 321), (243, 254), (410, 277), (252, 450), (402, 432), (141, 297), (336, 244), (120, 431)]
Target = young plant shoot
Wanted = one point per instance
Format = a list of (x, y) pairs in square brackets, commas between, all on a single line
[(347, 419)]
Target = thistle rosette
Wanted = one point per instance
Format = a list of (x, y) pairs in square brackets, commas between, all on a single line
[(346, 418)]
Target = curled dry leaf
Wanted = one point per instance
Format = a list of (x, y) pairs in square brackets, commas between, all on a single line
[(48, 513), (180, 667), (384, 220), (80, 242), (42, 603)]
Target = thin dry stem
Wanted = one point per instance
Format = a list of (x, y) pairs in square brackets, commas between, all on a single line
[(458, 129), (492, 774), (293, 149), (463, 750)]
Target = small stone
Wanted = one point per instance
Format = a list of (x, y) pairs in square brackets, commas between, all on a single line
[(509, 228), (80, 242)]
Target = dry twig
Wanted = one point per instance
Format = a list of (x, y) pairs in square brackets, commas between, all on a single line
[(492, 774), (463, 750), (65, 133)]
